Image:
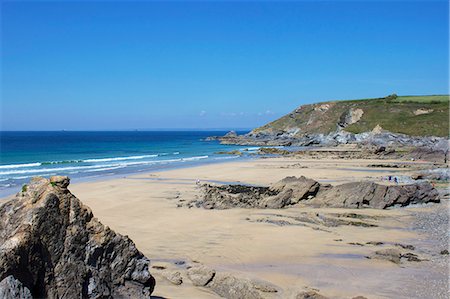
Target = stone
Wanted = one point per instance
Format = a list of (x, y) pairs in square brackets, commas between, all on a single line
[(231, 287), (200, 275), (310, 295), (264, 287), (60, 181), (11, 288), (173, 276), (54, 246), (390, 254), (369, 194)]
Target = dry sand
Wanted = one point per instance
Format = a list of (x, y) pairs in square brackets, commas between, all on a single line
[(144, 207)]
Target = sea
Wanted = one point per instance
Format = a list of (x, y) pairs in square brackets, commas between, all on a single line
[(95, 155)]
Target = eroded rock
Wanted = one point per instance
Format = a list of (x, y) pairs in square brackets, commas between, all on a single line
[(200, 275), (369, 194), (52, 244)]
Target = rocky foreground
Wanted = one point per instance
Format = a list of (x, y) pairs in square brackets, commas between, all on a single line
[(293, 190), (51, 246)]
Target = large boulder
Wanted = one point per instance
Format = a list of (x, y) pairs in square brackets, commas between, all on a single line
[(369, 194), (290, 190), (52, 246)]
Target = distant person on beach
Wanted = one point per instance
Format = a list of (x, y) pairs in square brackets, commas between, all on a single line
[(396, 180)]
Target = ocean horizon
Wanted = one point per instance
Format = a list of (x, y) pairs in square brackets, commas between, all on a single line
[(88, 155)]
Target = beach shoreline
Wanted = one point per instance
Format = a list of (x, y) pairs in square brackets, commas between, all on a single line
[(146, 207)]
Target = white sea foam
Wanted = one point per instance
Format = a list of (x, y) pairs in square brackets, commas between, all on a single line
[(20, 165), (45, 170), (194, 158), (92, 168), (119, 158)]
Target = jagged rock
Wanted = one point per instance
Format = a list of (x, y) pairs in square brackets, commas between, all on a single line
[(390, 254), (298, 188), (232, 196), (369, 194), (288, 191), (173, 276), (11, 288), (231, 287), (60, 181), (292, 190), (310, 295), (200, 275), (52, 244)]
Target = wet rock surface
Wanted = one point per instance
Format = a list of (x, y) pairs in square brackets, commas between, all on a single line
[(52, 245), (292, 190)]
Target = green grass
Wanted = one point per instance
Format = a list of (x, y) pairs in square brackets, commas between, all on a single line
[(24, 188), (423, 99), (395, 115)]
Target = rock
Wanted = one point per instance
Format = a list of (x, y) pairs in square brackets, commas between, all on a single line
[(429, 154), (11, 288), (350, 117), (200, 275), (273, 151), (173, 276), (359, 297), (264, 287), (288, 191), (60, 181), (299, 188), (390, 254), (379, 149), (444, 252), (409, 247), (310, 295), (52, 244), (231, 134), (369, 194), (230, 287)]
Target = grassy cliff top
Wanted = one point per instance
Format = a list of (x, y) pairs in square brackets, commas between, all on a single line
[(411, 115)]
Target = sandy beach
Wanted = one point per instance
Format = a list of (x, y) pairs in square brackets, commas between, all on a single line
[(256, 244)]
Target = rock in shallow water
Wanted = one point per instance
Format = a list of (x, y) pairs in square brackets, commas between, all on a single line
[(52, 245)]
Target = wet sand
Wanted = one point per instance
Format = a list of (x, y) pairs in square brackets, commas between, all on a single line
[(252, 244)]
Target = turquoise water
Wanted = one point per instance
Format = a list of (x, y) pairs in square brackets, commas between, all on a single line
[(87, 155)]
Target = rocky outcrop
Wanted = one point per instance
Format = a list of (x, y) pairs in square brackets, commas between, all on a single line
[(51, 246), (292, 190), (286, 192), (372, 195), (227, 285)]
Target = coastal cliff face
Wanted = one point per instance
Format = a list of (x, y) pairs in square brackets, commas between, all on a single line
[(51, 246), (387, 121)]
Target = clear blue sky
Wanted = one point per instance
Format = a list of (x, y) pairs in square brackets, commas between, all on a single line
[(117, 65)]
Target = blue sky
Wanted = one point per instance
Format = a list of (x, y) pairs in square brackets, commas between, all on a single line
[(126, 65)]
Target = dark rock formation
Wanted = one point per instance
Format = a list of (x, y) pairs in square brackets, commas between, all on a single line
[(369, 194), (310, 295), (286, 192), (51, 245), (292, 190)]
